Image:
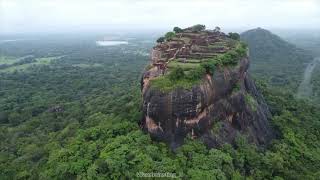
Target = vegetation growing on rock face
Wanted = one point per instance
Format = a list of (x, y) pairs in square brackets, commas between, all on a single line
[(198, 28), (177, 78), (161, 39), (234, 36), (209, 66), (169, 35), (177, 30), (176, 74), (251, 102), (236, 88)]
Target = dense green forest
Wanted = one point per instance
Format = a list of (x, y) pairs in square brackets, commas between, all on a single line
[(316, 83), (278, 62), (75, 115), (310, 41)]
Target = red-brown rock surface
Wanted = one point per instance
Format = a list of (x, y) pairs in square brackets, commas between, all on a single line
[(224, 105)]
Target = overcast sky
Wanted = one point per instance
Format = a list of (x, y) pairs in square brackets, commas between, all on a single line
[(66, 15)]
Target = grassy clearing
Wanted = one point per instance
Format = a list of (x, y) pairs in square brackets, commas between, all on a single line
[(220, 43), (8, 60), (39, 61), (45, 60), (164, 84), (214, 46), (184, 66), (194, 61), (87, 65)]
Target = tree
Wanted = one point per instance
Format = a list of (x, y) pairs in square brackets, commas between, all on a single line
[(199, 174), (160, 39), (3, 117), (234, 36), (209, 66), (198, 28), (176, 74), (217, 29), (177, 30), (169, 35), (196, 73)]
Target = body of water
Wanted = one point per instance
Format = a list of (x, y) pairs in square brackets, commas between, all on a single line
[(111, 43), (9, 40)]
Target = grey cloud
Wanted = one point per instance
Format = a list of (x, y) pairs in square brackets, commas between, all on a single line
[(43, 15)]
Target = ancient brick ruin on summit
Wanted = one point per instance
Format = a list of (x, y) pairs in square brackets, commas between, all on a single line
[(188, 45)]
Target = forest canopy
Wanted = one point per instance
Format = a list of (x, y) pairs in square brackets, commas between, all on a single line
[(77, 116)]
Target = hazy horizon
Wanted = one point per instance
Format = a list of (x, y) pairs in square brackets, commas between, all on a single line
[(43, 16)]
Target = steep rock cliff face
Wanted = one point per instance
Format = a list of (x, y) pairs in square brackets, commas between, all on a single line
[(220, 107)]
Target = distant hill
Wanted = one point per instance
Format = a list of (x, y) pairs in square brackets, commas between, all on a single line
[(274, 59)]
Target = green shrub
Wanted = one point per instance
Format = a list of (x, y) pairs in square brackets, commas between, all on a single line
[(4, 117), (236, 87), (176, 74), (229, 59), (160, 39), (233, 56), (251, 102), (198, 28), (165, 84), (243, 45), (242, 50), (169, 35), (177, 78), (177, 30), (234, 36), (209, 66), (196, 73)]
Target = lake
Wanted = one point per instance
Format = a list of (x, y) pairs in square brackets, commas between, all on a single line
[(111, 43)]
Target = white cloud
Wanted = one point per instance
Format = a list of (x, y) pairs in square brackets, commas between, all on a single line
[(44, 15)]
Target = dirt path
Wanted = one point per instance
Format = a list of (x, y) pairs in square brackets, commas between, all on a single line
[(305, 88)]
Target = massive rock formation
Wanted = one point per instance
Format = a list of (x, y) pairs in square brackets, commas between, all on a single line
[(222, 106)]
